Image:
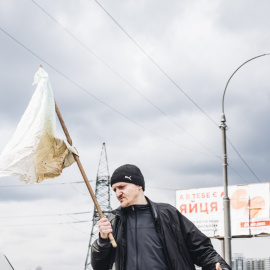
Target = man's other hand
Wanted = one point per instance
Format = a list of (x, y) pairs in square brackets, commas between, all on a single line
[(105, 228), (218, 267)]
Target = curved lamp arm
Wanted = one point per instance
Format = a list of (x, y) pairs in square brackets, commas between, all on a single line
[(235, 72)]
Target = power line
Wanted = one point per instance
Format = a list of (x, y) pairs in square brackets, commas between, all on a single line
[(244, 161), (48, 215), (98, 99), (155, 63), (245, 181), (77, 229), (44, 224), (79, 182), (82, 193), (41, 185), (167, 75), (161, 188), (122, 78)]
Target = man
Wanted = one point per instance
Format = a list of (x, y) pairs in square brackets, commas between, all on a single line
[(149, 235)]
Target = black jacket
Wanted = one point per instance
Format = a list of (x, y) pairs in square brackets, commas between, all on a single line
[(184, 245)]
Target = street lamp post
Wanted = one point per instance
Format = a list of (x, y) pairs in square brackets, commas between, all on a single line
[(226, 199)]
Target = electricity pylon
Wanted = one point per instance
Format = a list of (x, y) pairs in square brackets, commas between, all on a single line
[(102, 193)]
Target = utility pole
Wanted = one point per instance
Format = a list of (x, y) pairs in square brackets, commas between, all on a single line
[(226, 199), (102, 194)]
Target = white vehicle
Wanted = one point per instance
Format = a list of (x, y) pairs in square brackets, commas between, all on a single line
[(4, 263)]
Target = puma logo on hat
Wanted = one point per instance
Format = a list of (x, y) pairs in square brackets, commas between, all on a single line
[(128, 177)]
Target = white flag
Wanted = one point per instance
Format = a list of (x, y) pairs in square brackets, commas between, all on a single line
[(34, 153)]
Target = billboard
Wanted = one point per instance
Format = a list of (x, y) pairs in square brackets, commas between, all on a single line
[(249, 207)]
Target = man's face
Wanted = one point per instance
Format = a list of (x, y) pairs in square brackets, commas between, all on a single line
[(126, 193)]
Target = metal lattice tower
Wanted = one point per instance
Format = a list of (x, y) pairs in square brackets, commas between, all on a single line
[(102, 193)]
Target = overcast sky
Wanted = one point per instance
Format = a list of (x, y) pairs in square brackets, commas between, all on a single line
[(150, 86)]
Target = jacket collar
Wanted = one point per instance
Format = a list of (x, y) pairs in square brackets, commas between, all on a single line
[(153, 208)]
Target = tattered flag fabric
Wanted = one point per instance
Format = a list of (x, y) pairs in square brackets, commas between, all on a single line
[(34, 153)]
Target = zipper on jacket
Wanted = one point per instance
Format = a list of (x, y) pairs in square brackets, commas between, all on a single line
[(158, 227)]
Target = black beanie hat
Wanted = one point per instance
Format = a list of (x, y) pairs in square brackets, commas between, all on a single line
[(128, 173)]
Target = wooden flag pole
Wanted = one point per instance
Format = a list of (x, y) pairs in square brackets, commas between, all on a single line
[(101, 215)]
